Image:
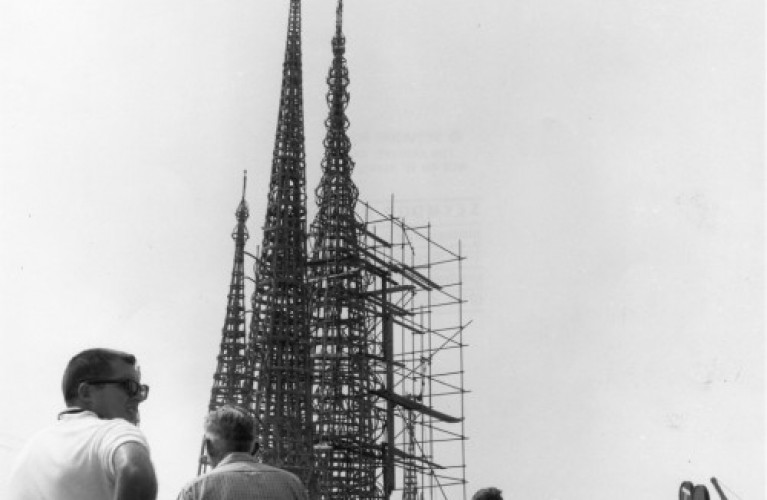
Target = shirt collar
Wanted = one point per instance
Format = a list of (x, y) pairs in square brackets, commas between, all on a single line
[(75, 412), (237, 456)]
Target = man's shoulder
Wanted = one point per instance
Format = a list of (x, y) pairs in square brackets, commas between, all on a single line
[(88, 419), (253, 467), (115, 432), (284, 483), (117, 426), (279, 472), (76, 428), (249, 465)]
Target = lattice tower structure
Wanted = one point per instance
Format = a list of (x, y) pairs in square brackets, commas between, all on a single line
[(230, 381), (279, 346), (414, 313), (346, 427), (409, 473)]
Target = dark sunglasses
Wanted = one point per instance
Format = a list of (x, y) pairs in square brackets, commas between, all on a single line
[(130, 386)]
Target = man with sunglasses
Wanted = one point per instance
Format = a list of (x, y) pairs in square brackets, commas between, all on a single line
[(95, 451)]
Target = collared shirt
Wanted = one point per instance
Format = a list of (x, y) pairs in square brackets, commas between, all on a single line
[(240, 477), (72, 459)]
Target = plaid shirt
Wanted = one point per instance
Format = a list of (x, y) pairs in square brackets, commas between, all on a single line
[(240, 477)]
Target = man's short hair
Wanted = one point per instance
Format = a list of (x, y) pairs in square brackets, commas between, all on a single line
[(488, 494), (232, 424), (90, 364)]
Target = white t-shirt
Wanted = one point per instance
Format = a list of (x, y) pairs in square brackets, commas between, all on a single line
[(72, 460)]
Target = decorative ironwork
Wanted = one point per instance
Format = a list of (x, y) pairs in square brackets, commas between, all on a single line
[(230, 381), (354, 356), (279, 331), (346, 427)]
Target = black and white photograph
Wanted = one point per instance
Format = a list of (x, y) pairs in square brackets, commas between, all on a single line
[(374, 250)]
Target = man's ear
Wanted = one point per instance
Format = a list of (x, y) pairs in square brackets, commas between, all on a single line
[(255, 448), (84, 391), (210, 448)]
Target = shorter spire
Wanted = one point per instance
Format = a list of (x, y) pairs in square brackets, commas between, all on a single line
[(339, 15), (339, 43), (242, 212)]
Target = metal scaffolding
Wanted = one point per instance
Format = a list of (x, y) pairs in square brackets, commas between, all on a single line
[(414, 299)]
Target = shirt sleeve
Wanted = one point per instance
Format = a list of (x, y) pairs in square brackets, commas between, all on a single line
[(116, 433), (190, 491), (182, 495)]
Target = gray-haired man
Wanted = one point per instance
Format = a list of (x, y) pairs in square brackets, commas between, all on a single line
[(237, 475)]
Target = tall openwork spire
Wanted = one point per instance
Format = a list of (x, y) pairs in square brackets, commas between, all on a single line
[(231, 380), (345, 427), (279, 333)]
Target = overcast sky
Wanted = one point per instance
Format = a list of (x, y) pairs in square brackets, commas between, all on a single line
[(601, 163)]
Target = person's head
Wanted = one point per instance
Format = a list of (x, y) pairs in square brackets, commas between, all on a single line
[(106, 382), (488, 494), (229, 429)]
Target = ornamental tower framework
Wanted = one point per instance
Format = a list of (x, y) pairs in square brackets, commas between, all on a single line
[(232, 377), (279, 345), (353, 361), (387, 336), (346, 425)]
